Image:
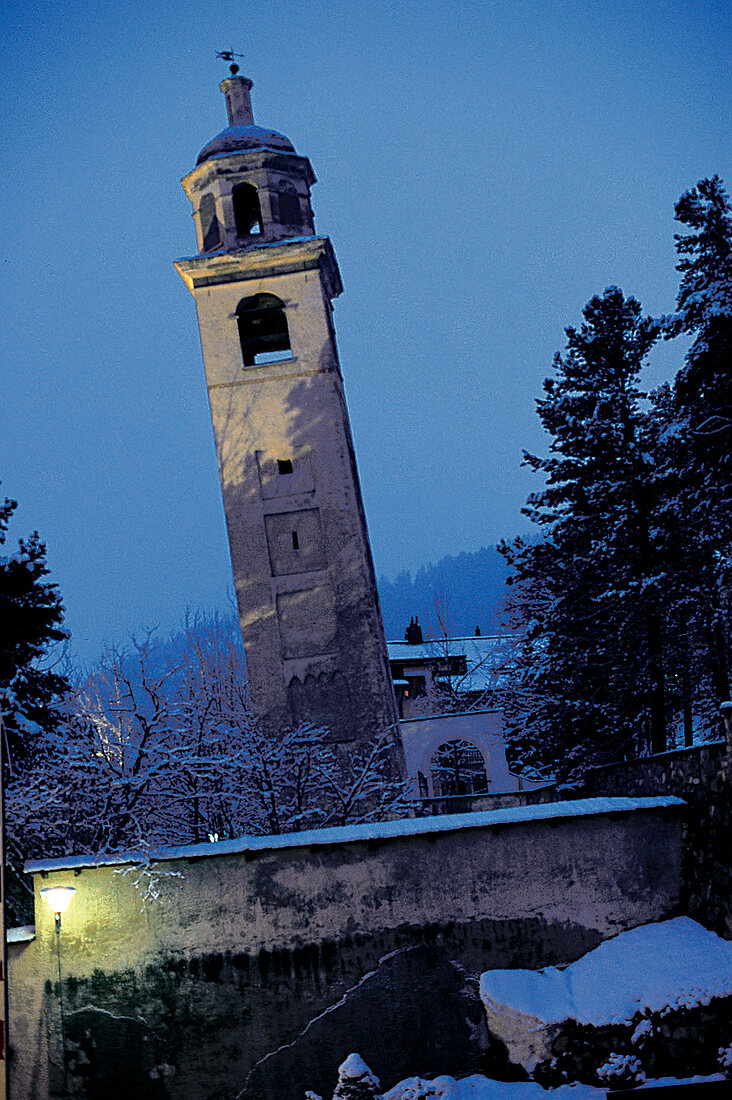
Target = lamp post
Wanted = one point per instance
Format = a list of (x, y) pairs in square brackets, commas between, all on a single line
[(57, 899)]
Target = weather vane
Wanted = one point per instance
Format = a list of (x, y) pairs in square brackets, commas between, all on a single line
[(229, 55)]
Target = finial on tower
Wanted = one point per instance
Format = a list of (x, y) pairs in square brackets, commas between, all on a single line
[(236, 89), (229, 55)]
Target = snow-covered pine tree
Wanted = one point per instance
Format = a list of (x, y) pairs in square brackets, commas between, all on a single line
[(356, 1081), (699, 436), (588, 591), (31, 614)]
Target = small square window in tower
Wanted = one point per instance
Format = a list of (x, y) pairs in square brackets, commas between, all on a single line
[(247, 211), (263, 330)]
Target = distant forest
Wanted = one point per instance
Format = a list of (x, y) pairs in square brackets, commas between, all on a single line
[(470, 588)]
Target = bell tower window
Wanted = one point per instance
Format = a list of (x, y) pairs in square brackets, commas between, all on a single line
[(210, 229), (247, 212), (288, 204), (263, 330)]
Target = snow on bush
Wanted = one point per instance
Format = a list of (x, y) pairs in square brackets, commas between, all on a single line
[(356, 1081), (643, 1031), (621, 1070), (725, 1060)]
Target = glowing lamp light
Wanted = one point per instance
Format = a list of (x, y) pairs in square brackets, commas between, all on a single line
[(57, 899)]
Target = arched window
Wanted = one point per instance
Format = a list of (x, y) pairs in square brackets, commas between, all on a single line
[(247, 212), (263, 329), (210, 229), (458, 768), (288, 204)]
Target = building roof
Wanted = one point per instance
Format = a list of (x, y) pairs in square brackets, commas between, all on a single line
[(241, 139), (489, 659)]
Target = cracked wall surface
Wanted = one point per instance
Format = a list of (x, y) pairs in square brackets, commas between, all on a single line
[(234, 968)]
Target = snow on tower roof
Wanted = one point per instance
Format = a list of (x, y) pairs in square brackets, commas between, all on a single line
[(241, 139)]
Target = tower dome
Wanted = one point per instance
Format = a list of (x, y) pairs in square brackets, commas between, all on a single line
[(249, 186), (241, 135), (239, 139)]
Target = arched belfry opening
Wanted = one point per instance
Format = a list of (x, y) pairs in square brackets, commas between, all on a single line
[(263, 331), (458, 768), (247, 211)]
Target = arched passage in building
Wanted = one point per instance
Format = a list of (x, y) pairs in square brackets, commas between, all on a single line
[(457, 768)]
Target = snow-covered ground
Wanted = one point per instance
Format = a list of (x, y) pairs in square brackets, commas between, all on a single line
[(481, 1088)]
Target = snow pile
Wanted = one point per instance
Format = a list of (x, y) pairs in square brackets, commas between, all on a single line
[(656, 969), (482, 1088), (355, 1080), (652, 968)]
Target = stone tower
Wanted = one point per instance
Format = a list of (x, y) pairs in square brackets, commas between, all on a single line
[(264, 284)]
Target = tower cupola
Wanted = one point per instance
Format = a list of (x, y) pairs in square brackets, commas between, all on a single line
[(249, 186)]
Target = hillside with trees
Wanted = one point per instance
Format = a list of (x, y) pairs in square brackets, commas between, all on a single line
[(463, 591)]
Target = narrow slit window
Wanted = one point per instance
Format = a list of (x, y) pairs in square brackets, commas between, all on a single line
[(295, 541), (284, 465), (210, 230), (247, 211), (263, 330), (288, 203)]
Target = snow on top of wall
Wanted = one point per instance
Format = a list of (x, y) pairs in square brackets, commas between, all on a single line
[(652, 968), (379, 830), (453, 714), (23, 934), (687, 750)]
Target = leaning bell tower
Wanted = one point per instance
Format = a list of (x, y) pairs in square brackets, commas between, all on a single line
[(264, 285)]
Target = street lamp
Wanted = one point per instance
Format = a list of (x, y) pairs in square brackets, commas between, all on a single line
[(57, 899)]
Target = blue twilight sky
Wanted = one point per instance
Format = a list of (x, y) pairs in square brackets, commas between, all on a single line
[(484, 168)]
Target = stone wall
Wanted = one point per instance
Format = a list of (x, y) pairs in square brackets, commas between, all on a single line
[(265, 962), (702, 776)]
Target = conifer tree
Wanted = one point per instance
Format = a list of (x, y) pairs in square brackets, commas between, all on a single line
[(588, 592), (356, 1081), (31, 614), (698, 451)]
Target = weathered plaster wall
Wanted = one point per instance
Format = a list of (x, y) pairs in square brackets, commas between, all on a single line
[(247, 948), (27, 1019), (702, 776)]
